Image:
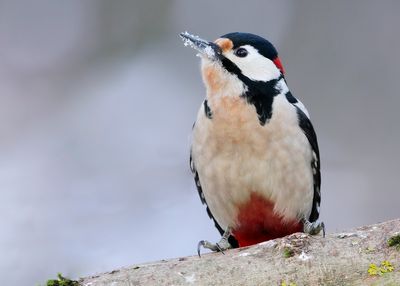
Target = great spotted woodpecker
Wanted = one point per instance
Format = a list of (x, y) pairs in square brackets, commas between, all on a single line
[(254, 152)]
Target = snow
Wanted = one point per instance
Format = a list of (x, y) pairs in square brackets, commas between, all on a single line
[(188, 39), (268, 243), (198, 44), (209, 52), (304, 257), (351, 234), (346, 235), (189, 278)]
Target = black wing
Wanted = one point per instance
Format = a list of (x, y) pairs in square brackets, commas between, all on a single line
[(306, 126), (232, 240), (200, 191)]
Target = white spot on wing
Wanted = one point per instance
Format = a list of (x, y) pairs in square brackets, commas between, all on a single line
[(282, 86), (300, 105), (284, 89)]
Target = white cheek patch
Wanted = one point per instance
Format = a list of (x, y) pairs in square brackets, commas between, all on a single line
[(254, 66)]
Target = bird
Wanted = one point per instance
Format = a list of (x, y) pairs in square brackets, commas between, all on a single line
[(254, 152)]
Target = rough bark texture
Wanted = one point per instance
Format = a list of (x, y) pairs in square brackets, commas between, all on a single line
[(300, 259)]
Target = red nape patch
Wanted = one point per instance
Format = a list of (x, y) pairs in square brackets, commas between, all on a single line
[(258, 222), (278, 63)]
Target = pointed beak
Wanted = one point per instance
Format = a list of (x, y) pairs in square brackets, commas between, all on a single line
[(206, 48)]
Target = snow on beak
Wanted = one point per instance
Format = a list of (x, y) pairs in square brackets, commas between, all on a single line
[(206, 48)]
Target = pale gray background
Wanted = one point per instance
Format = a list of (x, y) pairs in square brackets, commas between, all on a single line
[(97, 100)]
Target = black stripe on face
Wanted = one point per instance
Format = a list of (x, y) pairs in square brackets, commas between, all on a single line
[(231, 67), (259, 93)]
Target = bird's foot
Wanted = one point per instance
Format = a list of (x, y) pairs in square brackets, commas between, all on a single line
[(220, 246), (314, 228)]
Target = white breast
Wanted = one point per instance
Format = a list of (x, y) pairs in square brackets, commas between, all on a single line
[(234, 155)]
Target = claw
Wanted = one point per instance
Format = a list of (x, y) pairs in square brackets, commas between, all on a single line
[(207, 244), (314, 228), (199, 245), (220, 249), (222, 245)]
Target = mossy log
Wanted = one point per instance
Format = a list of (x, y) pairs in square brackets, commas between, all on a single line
[(360, 256)]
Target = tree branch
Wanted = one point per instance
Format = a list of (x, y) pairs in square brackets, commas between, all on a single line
[(298, 259)]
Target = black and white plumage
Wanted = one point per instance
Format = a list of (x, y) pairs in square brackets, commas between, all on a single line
[(254, 151)]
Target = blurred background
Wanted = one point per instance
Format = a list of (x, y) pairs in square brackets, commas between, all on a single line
[(97, 101)]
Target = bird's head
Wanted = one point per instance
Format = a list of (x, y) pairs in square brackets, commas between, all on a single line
[(236, 60)]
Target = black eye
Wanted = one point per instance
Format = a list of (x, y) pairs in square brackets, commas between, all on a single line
[(241, 52)]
